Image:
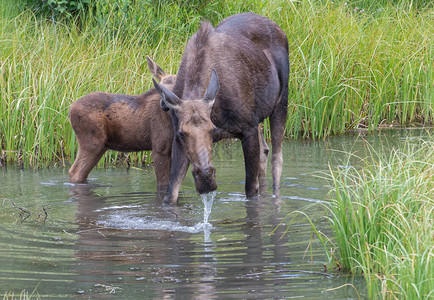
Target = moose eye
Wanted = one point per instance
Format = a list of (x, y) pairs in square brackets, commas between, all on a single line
[(181, 134)]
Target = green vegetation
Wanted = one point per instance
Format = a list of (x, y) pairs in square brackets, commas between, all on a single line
[(24, 295), (383, 222), (350, 67), (56, 9)]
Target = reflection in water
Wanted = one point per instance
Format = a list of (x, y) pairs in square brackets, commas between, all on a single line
[(152, 248), (114, 238), (249, 261)]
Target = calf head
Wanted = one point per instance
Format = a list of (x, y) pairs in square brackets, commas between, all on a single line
[(194, 130)]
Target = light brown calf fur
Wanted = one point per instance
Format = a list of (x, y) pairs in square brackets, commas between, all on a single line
[(127, 123)]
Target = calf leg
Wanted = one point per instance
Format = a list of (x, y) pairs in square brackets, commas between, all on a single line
[(84, 163), (251, 150), (162, 170)]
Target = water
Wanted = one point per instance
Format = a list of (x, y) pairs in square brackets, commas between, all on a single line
[(114, 238), (207, 200)]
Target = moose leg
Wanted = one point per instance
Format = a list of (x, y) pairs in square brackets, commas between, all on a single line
[(251, 149), (162, 170), (178, 169), (264, 150), (263, 153), (279, 115), (277, 126), (84, 163)]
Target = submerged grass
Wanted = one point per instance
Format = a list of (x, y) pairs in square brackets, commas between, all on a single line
[(349, 68), (383, 222), (24, 295)]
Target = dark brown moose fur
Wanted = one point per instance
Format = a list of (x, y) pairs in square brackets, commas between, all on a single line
[(126, 123), (230, 79)]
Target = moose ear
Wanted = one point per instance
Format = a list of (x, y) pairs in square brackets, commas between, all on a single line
[(168, 99), (155, 69), (212, 89)]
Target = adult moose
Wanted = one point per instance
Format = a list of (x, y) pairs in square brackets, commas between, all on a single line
[(103, 121), (230, 79)]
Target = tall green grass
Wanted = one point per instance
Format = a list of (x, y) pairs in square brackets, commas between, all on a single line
[(24, 295), (352, 69), (348, 69), (383, 222), (45, 67)]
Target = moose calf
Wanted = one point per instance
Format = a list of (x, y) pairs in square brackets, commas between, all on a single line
[(128, 123)]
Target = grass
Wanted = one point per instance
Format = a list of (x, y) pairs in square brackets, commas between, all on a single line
[(358, 70), (349, 69), (24, 295), (383, 222)]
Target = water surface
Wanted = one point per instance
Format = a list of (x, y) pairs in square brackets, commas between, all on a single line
[(114, 238)]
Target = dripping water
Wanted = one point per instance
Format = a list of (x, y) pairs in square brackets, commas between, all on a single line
[(207, 200)]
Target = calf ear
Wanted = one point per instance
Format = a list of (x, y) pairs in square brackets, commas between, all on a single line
[(168, 99), (212, 89), (155, 69)]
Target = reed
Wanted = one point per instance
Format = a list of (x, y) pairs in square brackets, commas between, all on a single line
[(348, 69), (382, 218), (23, 295), (45, 67), (352, 69)]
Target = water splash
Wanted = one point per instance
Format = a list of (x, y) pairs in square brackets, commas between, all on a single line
[(126, 221), (130, 217), (208, 200)]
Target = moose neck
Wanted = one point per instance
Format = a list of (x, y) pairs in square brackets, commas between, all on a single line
[(195, 68)]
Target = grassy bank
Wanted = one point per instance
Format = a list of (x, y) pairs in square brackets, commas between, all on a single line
[(350, 67), (383, 222)]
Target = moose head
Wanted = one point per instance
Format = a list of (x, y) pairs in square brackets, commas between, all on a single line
[(194, 130)]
